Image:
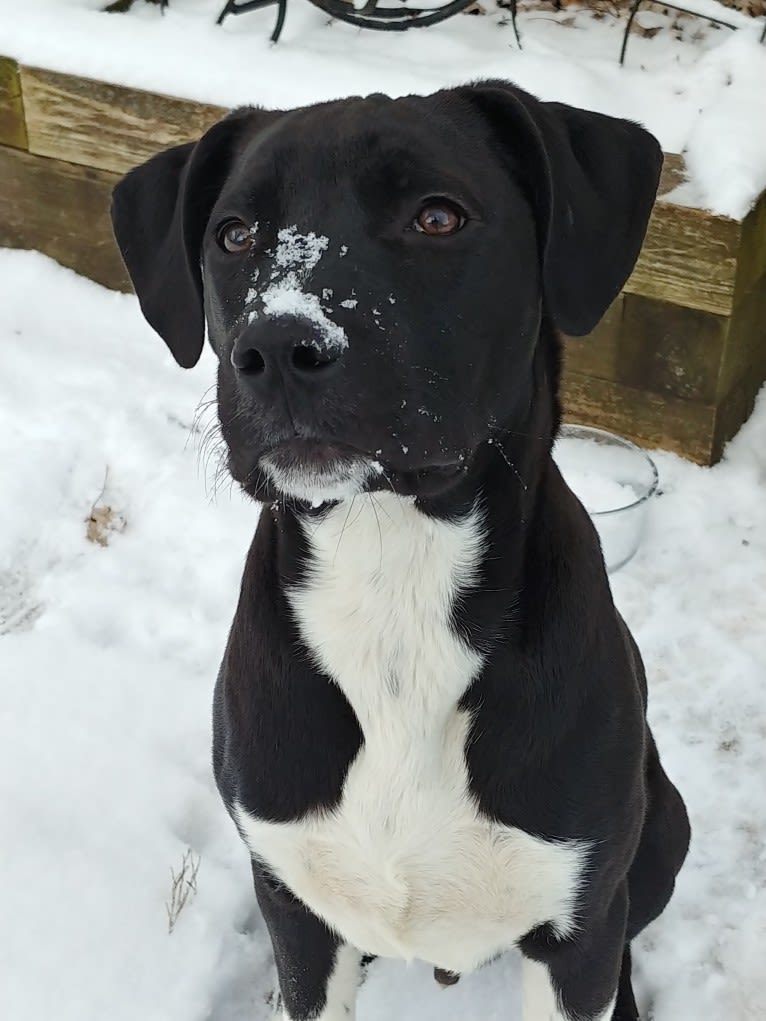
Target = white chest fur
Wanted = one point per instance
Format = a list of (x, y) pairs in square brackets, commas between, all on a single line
[(406, 866)]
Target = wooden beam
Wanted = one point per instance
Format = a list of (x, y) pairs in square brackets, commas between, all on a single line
[(676, 361), (671, 350), (647, 419), (751, 262), (654, 346), (689, 258), (12, 127), (737, 406), (598, 354), (745, 350), (110, 127), (63, 210)]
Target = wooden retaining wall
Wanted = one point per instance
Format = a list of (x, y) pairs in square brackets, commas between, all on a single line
[(676, 362)]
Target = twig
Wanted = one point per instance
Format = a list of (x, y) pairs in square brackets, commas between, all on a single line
[(183, 886)]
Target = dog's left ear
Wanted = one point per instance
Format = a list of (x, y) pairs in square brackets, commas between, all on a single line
[(592, 180)]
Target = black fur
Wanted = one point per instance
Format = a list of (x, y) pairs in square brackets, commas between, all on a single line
[(557, 202)]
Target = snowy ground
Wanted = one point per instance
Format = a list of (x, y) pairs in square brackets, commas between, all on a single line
[(108, 653), (108, 656), (702, 92)]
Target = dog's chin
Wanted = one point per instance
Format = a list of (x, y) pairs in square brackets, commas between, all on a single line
[(316, 473)]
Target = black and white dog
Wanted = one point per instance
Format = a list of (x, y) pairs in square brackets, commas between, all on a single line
[(430, 720)]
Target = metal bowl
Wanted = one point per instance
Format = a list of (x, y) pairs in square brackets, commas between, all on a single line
[(614, 480)]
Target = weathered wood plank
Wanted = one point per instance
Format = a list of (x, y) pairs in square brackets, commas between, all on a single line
[(744, 369), (670, 350), (689, 258), (12, 127), (731, 415), (598, 354), (654, 346), (673, 173), (63, 210), (110, 127), (744, 357), (751, 263), (647, 419), (688, 332)]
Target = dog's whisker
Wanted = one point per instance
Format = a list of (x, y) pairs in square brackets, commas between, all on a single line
[(374, 504), (386, 476), (219, 475), (204, 400), (203, 407), (391, 486), (381, 507), (503, 431), (209, 454), (211, 433), (208, 438), (343, 529), (499, 448), (214, 454)]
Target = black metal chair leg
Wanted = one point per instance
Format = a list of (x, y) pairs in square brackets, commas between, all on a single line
[(226, 10), (633, 11), (281, 14), (243, 6), (514, 12)]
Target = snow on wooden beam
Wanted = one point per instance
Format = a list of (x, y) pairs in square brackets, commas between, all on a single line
[(106, 126)]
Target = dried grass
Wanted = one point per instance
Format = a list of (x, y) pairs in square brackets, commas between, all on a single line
[(183, 887)]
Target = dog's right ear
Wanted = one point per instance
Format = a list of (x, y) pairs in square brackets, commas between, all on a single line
[(160, 212)]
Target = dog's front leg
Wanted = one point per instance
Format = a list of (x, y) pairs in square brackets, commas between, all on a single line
[(318, 972), (583, 978)]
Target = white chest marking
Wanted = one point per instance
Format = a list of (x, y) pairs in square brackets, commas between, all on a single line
[(406, 866)]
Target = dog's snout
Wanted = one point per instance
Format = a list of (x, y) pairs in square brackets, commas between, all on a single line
[(286, 346), (308, 358), (247, 359)]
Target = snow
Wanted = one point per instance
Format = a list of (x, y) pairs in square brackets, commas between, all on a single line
[(294, 259), (108, 656), (702, 91), (298, 252), (284, 298), (597, 493)]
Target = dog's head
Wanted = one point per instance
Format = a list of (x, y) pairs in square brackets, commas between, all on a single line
[(373, 272)]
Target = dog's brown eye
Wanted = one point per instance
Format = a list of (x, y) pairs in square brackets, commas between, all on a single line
[(235, 236), (438, 219)]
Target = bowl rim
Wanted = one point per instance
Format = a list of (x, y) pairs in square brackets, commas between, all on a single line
[(620, 441)]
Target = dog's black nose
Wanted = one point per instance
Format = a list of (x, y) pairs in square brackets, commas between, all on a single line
[(287, 345)]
